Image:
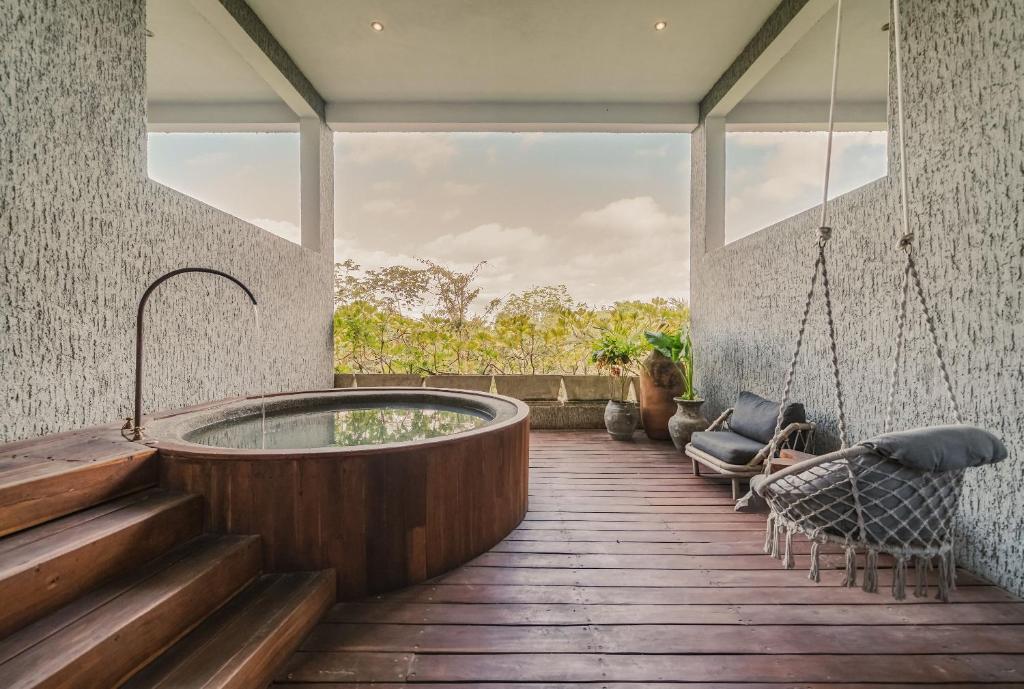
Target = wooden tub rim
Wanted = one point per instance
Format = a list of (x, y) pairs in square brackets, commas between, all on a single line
[(166, 433)]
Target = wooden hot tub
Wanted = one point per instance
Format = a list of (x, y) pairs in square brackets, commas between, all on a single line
[(382, 516)]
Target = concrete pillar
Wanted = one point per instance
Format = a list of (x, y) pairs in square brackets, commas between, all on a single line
[(714, 151), (316, 169), (707, 191)]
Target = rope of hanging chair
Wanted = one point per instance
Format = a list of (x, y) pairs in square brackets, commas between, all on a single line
[(906, 243), (853, 497), (820, 268)]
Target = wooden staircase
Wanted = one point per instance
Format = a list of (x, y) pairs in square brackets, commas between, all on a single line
[(127, 590)]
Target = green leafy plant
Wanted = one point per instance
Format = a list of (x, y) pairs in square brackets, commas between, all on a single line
[(678, 348), (616, 354)]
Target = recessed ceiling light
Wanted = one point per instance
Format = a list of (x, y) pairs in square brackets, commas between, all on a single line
[(660, 25), (377, 26)]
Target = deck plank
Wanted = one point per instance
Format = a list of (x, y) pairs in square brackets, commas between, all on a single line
[(631, 571)]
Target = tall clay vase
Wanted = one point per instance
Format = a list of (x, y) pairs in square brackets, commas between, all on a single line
[(660, 384), (686, 421)]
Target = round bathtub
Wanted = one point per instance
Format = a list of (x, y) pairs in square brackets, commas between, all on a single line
[(387, 486)]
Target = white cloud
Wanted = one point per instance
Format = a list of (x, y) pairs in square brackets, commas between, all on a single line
[(387, 207), (490, 242), (346, 248), (633, 217), (424, 151), (630, 248), (385, 186), (458, 189)]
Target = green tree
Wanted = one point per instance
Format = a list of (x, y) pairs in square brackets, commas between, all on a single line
[(422, 320)]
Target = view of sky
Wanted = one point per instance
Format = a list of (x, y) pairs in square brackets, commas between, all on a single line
[(604, 214), (771, 176)]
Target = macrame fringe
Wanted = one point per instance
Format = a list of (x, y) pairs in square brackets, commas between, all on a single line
[(851, 567), (788, 561), (769, 529), (922, 565), (871, 571), (775, 540), (947, 576), (899, 577), (815, 572)]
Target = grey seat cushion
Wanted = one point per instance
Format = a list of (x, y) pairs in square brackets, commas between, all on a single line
[(727, 446), (755, 417), (899, 505), (939, 448)]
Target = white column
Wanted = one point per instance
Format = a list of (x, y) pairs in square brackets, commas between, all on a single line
[(310, 154), (714, 180)]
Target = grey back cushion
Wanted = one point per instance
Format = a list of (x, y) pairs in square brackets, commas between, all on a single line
[(755, 417), (939, 448)]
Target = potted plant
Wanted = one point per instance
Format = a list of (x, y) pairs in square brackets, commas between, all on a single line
[(687, 418), (615, 354), (661, 381)]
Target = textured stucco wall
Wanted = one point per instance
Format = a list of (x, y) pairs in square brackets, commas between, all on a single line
[(963, 63), (84, 230)]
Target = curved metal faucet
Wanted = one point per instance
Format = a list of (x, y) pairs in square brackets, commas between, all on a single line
[(134, 424)]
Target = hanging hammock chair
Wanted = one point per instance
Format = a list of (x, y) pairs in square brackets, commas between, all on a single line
[(895, 494)]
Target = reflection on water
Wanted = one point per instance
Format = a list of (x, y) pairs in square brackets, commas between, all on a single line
[(340, 427)]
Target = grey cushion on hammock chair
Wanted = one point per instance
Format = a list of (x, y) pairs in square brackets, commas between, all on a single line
[(727, 446), (817, 498), (907, 486), (900, 506), (755, 417), (939, 448)]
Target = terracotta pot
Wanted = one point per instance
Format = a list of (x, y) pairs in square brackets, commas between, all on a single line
[(621, 419), (660, 384), (686, 421)]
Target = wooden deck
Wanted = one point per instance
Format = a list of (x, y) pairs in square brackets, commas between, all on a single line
[(630, 571)]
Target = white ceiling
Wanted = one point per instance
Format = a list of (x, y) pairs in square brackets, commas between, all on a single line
[(187, 61), (805, 73), (487, 61), (567, 51)]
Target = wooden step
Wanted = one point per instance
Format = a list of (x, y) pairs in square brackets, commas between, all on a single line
[(49, 565), (100, 639), (46, 478), (243, 644)]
